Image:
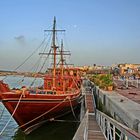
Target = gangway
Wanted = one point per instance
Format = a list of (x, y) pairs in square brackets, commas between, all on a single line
[(88, 128), (96, 125)]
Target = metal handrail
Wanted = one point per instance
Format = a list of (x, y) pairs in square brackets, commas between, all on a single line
[(114, 130), (130, 82), (82, 131)]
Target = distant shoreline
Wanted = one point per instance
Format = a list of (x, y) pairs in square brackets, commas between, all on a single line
[(27, 74)]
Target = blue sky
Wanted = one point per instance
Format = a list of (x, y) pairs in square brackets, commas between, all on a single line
[(97, 31)]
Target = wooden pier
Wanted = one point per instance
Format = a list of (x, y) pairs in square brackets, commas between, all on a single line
[(96, 125), (88, 128), (94, 131)]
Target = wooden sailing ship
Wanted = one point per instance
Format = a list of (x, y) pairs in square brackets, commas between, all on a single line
[(59, 95)]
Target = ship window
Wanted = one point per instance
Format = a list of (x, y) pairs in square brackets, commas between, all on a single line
[(59, 83), (75, 74), (49, 83)]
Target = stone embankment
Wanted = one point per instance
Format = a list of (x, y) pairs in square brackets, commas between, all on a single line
[(119, 107)]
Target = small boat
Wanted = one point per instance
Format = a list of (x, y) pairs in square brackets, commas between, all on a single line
[(59, 95)]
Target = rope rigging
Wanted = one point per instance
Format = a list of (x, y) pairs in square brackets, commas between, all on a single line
[(27, 58), (43, 62), (37, 64), (42, 65), (72, 77)]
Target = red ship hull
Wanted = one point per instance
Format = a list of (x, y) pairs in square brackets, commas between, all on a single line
[(35, 109)]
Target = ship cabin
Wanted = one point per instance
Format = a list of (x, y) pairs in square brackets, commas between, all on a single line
[(65, 80)]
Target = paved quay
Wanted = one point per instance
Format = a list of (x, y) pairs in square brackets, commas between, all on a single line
[(121, 105), (132, 92)]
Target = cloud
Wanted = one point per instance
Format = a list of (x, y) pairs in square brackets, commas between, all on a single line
[(21, 39)]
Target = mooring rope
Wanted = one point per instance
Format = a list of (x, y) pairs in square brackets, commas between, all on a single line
[(43, 113), (52, 119), (2, 112), (69, 121), (72, 110), (11, 115)]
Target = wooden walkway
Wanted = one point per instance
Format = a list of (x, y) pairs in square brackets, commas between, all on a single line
[(89, 128), (94, 131)]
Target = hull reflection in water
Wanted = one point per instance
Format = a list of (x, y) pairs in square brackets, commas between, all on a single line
[(63, 129)]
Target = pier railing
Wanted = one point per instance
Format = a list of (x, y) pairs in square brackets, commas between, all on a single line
[(82, 131), (114, 130), (134, 83), (130, 82)]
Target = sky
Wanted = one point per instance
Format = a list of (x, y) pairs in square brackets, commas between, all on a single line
[(102, 32)]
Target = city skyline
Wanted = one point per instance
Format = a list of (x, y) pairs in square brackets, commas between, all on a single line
[(97, 31)]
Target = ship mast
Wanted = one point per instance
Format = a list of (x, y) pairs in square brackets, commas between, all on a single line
[(55, 53), (54, 47), (62, 60)]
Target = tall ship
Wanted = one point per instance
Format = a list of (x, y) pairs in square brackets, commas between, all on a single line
[(59, 95)]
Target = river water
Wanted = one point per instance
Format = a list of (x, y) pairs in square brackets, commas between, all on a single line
[(60, 130)]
